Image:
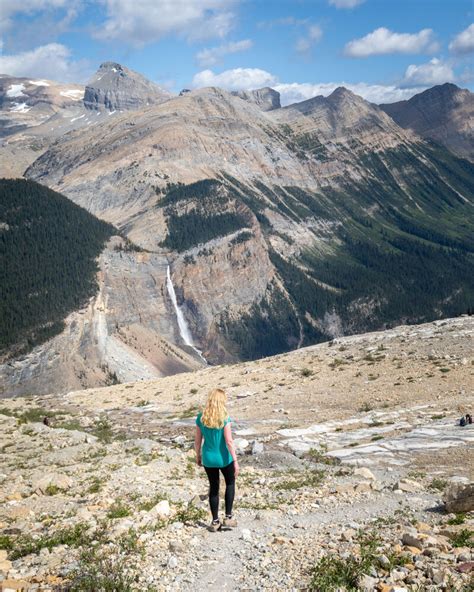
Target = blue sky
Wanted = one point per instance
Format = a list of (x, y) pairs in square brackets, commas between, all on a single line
[(385, 50)]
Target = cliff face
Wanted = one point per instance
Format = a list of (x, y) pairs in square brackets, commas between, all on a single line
[(128, 332), (444, 113)]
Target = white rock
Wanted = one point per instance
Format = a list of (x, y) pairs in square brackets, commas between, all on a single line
[(173, 562), (241, 444), (246, 535)]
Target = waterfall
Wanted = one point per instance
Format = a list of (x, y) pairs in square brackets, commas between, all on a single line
[(182, 324)]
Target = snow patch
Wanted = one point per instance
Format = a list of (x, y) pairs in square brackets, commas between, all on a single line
[(76, 118), (39, 82), (20, 108), (16, 90), (74, 94)]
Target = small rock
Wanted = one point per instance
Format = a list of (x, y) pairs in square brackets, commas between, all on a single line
[(257, 447), (365, 473), (408, 486), (410, 540), (367, 583), (246, 535), (172, 562), (161, 510)]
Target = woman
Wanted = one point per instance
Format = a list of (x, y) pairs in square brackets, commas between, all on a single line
[(217, 453)]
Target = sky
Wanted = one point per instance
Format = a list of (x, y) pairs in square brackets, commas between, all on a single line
[(384, 50)]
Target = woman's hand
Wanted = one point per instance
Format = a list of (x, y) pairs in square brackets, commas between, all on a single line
[(236, 468), (199, 461)]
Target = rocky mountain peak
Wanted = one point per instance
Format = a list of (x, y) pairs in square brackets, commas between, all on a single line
[(115, 87), (444, 113), (266, 98)]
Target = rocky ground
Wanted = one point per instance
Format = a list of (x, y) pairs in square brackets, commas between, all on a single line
[(347, 449)]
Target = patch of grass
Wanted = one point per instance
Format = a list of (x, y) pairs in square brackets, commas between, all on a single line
[(150, 503), (438, 484), (189, 514), (22, 545), (308, 479), (333, 573), (439, 416), (365, 408), (320, 456), (53, 490), (118, 510), (458, 519), (96, 485), (194, 391), (463, 538), (305, 372), (103, 430), (189, 412), (34, 415), (376, 437), (113, 567), (444, 370)]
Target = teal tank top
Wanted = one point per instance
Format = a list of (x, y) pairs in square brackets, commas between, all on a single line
[(215, 453)]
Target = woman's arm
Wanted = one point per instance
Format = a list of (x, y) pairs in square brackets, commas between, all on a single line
[(198, 444), (231, 447)]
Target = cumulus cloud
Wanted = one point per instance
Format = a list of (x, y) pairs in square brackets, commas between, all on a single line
[(214, 55), (51, 61), (236, 79), (305, 43), (345, 3), (383, 41), (294, 92), (375, 93), (146, 21), (463, 42), (433, 72)]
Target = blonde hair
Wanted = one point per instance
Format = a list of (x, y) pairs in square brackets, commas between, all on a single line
[(215, 411)]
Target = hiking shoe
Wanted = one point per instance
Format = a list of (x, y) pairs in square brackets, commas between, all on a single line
[(214, 526), (229, 522)]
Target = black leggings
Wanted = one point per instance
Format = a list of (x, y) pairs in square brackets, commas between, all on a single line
[(213, 476)]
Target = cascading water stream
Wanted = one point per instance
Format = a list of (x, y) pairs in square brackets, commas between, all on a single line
[(182, 324)]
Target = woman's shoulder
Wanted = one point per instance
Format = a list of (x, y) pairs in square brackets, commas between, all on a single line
[(198, 418), (227, 420)]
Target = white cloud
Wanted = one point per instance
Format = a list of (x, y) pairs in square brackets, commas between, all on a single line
[(383, 41), (12, 7), (145, 21), (236, 79), (433, 72), (375, 93), (345, 3), (251, 78), (463, 42), (214, 55), (51, 61), (304, 44)]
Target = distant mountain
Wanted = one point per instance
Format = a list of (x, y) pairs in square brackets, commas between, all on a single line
[(116, 88), (276, 228), (444, 113)]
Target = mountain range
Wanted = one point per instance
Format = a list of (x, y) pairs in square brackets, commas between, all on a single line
[(273, 227)]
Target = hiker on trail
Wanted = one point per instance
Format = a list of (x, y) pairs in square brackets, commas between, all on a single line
[(215, 451)]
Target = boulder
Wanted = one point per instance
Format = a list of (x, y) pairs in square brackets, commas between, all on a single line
[(459, 497), (257, 447), (241, 444), (62, 482)]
